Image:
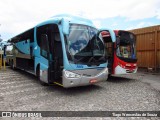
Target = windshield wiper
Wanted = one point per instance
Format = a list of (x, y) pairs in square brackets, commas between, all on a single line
[(76, 61), (92, 61), (102, 58)]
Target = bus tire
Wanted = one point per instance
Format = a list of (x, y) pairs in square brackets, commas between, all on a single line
[(38, 76), (12, 65), (9, 62), (109, 75)]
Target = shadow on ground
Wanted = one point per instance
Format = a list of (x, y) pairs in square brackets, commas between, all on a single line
[(118, 79), (74, 90)]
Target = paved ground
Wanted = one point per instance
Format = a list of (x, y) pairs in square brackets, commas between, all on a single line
[(137, 92)]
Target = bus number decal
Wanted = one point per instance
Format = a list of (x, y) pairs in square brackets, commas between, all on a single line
[(79, 66)]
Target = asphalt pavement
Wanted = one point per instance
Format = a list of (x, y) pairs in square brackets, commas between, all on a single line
[(135, 92)]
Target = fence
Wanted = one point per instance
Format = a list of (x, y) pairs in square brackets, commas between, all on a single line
[(148, 46)]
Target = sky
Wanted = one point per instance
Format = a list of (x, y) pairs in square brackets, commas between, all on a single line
[(17, 16)]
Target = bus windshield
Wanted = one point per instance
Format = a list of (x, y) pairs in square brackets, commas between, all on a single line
[(84, 46), (125, 42)]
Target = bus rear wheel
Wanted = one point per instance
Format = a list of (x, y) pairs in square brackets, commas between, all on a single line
[(12, 65)]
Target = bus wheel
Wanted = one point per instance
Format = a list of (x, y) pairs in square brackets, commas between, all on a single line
[(38, 77), (109, 76), (12, 65)]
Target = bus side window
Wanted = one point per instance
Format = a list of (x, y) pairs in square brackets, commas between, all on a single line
[(44, 45), (42, 40)]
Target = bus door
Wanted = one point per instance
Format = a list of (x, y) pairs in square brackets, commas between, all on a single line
[(56, 61), (51, 60), (109, 38)]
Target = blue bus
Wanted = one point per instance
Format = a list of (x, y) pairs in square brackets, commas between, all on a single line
[(66, 50)]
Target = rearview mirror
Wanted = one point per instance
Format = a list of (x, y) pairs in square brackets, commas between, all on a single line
[(111, 32), (65, 26)]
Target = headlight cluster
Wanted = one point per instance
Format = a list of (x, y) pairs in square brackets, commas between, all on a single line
[(72, 75)]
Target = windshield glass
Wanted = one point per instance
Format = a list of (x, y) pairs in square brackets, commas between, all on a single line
[(126, 45), (84, 46)]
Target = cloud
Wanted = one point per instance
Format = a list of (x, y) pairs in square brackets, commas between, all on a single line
[(142, 9), (19, 15), (140, 25)]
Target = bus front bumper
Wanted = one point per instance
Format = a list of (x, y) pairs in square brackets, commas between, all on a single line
[(71, 79), (119, 70)]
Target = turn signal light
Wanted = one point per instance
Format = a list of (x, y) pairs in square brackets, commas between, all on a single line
[(128, 65), (93, 81), (134, 64)]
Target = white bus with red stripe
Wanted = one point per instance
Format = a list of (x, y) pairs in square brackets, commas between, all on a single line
[(121, 52)]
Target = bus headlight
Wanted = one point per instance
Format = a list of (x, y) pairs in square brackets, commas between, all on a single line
[(72, 75)]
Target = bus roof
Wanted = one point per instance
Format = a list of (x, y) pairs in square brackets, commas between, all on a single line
[(22, 35), (117, 31), (55, 19), (70, 18)]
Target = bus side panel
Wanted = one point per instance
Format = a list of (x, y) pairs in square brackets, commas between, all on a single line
[(44, 72), (23, 47), (43, 63)]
